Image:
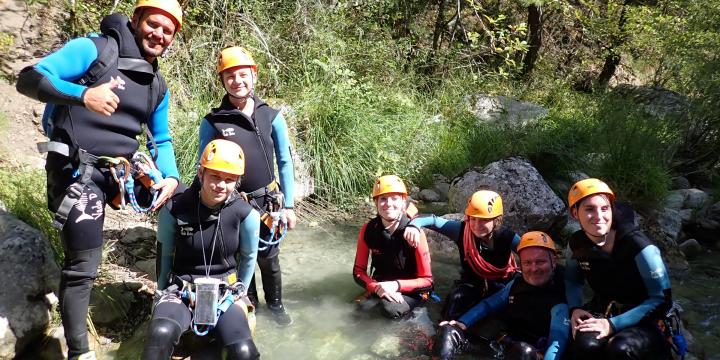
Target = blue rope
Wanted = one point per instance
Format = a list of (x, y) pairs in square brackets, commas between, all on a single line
[(269, 243)]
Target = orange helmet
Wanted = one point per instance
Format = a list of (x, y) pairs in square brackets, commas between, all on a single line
[(536, 238), (484, 204), (587, 187), (171, 7), (235, 56), (223, 155), (388, 184)]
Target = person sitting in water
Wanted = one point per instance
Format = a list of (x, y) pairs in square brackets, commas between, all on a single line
[(400, 277), (629, 282), (207, 235), (486, 250), (531, 307)]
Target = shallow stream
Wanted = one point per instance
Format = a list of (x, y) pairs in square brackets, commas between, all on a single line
[(319, 291)]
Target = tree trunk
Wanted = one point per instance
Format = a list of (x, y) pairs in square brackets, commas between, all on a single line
[(534, 39), (612, 60), (439, 24)]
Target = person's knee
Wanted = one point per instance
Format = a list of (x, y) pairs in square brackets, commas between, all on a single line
[(449, 342), (587, 346), (394, 310), (82, 264), (164, 332), (242, 350), (521, 350)]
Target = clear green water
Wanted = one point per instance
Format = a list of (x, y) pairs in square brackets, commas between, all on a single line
[(319, 291)]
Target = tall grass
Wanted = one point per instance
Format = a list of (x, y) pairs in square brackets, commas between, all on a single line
[(362, 107), (23, 193)]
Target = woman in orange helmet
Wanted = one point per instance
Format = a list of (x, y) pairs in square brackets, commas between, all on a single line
[(486, 250), (629, 281), (400, 278)]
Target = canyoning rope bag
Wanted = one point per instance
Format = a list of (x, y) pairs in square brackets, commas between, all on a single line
[(107, 59)]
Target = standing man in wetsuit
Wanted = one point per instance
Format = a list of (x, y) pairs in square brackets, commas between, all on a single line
[(262, 133), (100, 120), (532, 308)]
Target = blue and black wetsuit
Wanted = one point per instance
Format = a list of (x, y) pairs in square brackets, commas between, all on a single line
[(197, 241), (263, 138), (52, 80), (630, 283), (471, 287), (537, 316)]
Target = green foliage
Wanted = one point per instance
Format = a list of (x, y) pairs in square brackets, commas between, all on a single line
[(23, 193), (371, 92)]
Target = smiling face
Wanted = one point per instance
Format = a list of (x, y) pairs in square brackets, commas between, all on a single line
[(481, 228), (154, 31), (239, 81), (595, 216), (216, 186), (537, 265), (390, 206)]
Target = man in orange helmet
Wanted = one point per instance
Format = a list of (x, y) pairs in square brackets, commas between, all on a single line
[(532, 307), (100, 93)]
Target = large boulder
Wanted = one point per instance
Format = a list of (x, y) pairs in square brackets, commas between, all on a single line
[(528, 201), (503, 110), (28, 272)]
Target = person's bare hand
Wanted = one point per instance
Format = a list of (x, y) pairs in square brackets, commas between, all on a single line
[(102, 99), (412, 235), (291, 219), (166, 187)]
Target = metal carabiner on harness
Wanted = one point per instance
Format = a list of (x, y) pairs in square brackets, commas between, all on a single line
[(121, 165)]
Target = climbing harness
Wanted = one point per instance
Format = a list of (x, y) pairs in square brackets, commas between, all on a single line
[(273, 215), (671, 327), (125, 173)]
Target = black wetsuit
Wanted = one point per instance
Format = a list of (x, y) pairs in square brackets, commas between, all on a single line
[(196, 241), (52, 80), (633, 277)]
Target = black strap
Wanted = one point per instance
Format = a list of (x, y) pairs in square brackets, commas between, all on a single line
[(107, 57)]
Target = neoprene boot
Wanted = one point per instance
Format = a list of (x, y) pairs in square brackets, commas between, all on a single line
[(450, 342), (242, 350), (163, 335), (252, 294), (272, 284), (76, 281)]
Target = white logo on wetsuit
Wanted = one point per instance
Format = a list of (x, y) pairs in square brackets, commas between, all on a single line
[(228, 132), (82, 204), (120, 82)]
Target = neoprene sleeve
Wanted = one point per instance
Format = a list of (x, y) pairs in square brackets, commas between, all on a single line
[(248, 247)]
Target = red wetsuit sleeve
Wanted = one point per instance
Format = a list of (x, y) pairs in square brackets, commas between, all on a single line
[(424, 279), (361, 262)]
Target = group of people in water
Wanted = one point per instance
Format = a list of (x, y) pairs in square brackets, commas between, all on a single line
[(104, 91), (534, 310)]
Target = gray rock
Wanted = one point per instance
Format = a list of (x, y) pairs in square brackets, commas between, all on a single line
[(442, 190), (528, 201), (679, 182), (675, 199), (686, 215), (695, 199), (148, 267), (669, 221), (658, 102), (691, 248), (503, 110), (138, 234), (28, 272), (428, 195)]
